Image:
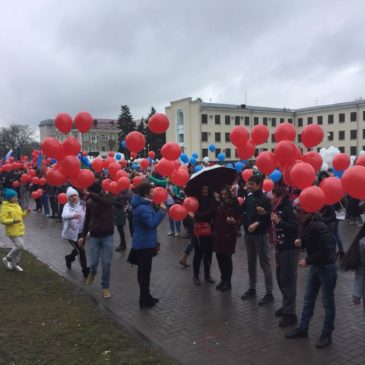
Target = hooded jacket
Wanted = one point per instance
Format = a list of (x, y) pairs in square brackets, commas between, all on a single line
[(146, 221), (9, 213)]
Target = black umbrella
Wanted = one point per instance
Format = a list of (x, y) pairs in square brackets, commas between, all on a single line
[(214, 176)]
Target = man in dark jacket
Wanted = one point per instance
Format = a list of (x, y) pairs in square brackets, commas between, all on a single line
[(99, 221), (256, 222), (321, 256)]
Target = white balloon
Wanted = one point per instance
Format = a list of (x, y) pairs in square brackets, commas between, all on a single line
[(324, 167), (362, 153), (352, 158), (206, 159), (322, 151)]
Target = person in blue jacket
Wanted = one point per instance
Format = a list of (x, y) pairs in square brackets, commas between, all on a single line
[(146, 219)]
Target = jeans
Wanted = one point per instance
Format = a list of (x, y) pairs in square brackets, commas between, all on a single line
[(15, 253), (120, 229), (54, 205), (144, 259), (101, 246), (189, 248), (175, 226), (225, 266), (325, 276), (334, 229), (45, 203)]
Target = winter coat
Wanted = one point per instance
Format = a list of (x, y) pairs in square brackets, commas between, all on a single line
[(72, 226), (225, 234), (9, 212), (145, 221), (359, 281), (286, 231), (205, 212), (318, 241), (120, 203), (328, 214)]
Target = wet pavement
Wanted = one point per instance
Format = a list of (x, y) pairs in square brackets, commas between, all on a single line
[(200, 324)]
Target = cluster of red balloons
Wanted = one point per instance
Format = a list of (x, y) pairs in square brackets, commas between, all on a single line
[(83, 122)]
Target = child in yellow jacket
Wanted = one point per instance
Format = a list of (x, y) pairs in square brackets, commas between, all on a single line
[(11, 216)]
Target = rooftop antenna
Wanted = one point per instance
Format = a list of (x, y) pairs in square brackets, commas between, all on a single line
[(245, 97)]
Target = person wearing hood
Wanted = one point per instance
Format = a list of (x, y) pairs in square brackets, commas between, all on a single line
[(73, 216), (315, 236), (11, 216), (144, 244)]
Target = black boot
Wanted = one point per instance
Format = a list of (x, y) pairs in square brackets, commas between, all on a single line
[(323, 341), (250, 293), (288, 320), (69, 260), (121, 247), (296, 333), (226, 286), (86, 272), (219, 286)]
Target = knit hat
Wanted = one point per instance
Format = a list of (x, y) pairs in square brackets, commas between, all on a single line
[(71, 191), (9, 193)]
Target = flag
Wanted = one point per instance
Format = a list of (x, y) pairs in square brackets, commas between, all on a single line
[(39, 160), (9, 154)]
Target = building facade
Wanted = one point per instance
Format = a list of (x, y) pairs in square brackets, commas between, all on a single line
[(100, 139), (195, 124)]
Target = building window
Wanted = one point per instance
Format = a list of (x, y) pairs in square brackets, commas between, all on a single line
[(363, 115), (217, 137), (265, 121), (342, 149), (299, 138), (204, 136), (353, 134), (228, 152), (273, 121), (204, 118), (341, 135), (205, 152), (310, 120), (217, 152), (363, 134), (330, 119), (290, 121), (217, 119), (180, 138), (227, 137), (255, 120), (282, 120), (227, 120), (353, 151), (237, 120), (330, 136), (353, 116), (319, 119), (103, 148), (300, 122), (273, 138), (341, 117), (247, 121)]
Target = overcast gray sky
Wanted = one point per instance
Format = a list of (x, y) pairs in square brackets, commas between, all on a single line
[(95, 55)]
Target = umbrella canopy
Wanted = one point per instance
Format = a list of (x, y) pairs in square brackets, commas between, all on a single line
[(214, 176)]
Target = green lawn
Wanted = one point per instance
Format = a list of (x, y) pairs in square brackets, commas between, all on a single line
[(46, 320)]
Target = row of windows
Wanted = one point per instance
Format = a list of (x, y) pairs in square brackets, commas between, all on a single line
[(330, 118), (246, 120)]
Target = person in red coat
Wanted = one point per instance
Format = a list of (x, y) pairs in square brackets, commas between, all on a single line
[(225, 235)]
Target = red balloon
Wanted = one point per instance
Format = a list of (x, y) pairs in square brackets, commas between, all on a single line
[(312, 135), (105, 184), (52, 148), (85, 178), (144, 163), (135, 141), (158, 123), (114, 188), (360, 161), (177, 164), (123, 163), (312, 199), (35, 195), (266, 162), (108, 161), (16, 184), (7, 167), (177, 212), (111, 154), (313, 158), (285, 132), (353, 182), (191, 204), (246, 151), (239, 136), (159, 195), (302, 175), (287, 172), (332, 189), (97, 164), (165, 167), (31, 172), (114, 167), (137, 180), (180, 177), (71, 165), (260, 134), (246, 174), (84, 153), (39, 191), (63, 122), (171, 151), (123, 183), (24, 178), (71, 146), (240, 200), (62, 198), (341, 161), (83, 121), (119, 174), (35, 180), (285, 152), (42, 181), (151, 155), (55, 177), (268, 185)]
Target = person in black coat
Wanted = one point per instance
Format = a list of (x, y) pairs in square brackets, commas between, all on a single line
[(316, 238)]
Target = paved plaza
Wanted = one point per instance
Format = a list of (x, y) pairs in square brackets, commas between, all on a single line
[(198, 325)]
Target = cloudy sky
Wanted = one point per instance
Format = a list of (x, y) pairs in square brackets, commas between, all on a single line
[(95, 55)]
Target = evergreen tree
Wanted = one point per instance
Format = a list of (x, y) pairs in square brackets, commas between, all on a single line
[(141, 127), (125, 122), (154, 141)]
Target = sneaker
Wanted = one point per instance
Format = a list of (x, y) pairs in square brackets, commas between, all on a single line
[(250, 293), (323, 341), (268, 298), (18, 268), (359, 224), (196, 280), (209, 279), (296, 333), (279, 312), (184, 263), (106, 293), (8, 264), (288, 320), (171, 233), (90, 279), (177, 234)]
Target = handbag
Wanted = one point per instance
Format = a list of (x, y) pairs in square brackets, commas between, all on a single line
[(132, 257), (202, 229), (341, 213)]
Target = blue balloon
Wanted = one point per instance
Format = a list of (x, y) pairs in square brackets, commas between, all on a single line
[(275, 176), (230, 166), (211, 147), (122, 144), (195, 155), (135, 166), (193, 160), (184, 158), (239, 166), (221, 156), (198, 168), (118, 156), (338, 173)]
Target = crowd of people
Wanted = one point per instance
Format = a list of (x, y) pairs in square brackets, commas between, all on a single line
[(268, 219)]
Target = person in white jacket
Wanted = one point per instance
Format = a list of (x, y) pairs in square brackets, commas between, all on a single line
[(73, 216)]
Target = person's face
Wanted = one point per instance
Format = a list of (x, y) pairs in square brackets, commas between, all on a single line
[(204, 190), (149, 194), (14, 199), (252, 186), (74, 199), (224, 194)]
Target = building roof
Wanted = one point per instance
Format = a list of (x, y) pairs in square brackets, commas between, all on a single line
[(99, 123)]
